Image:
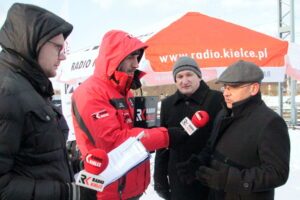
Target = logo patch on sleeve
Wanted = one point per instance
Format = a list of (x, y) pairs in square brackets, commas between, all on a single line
[(100, 114), (127, 118)]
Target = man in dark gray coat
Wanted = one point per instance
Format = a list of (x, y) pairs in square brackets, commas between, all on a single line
[(249, 146), (33, 159), (191, 96)]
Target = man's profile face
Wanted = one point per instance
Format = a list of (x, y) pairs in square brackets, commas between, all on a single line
[(129, 64), (187, 82), (236, 93), (51, 54)]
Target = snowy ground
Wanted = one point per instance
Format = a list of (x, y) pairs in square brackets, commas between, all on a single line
[(289, 191)]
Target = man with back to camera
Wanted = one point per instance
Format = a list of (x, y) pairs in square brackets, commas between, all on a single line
[(249, 146), (33, 159), (103, 111), (192, 95)]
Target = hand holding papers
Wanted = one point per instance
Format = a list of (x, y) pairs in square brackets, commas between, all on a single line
[(122, 159)]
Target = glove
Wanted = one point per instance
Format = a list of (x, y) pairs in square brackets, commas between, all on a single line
[(162, 191), (214, 177), (187, 170), (70, 191), (176, 136)]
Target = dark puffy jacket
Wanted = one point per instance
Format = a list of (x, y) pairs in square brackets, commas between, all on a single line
[(33, 162), (173, 110)]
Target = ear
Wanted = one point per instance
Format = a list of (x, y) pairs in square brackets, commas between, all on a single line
[(255, 87)]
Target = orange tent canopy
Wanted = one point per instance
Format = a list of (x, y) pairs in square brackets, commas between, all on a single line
[(213, 43)]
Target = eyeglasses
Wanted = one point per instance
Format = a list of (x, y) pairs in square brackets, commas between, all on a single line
[(60, 48), (233, 87)]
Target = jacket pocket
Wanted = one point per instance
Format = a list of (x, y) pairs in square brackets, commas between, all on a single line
[(43, 118), (45, 133)]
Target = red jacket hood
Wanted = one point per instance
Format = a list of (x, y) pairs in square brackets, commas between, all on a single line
[(115, 46)]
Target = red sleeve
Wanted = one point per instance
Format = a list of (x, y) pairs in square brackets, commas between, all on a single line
[(108, 128)]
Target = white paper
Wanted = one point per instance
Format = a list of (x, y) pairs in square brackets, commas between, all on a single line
[(124, 158)]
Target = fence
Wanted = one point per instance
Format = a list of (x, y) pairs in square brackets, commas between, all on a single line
[(286, 114)]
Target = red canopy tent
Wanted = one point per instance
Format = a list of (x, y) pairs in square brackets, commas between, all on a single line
[(215, 44)]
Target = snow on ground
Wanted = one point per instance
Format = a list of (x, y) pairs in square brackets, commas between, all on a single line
[(290, 191), (273, 101), (150, 194)]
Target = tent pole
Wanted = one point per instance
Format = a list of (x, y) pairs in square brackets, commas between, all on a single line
[(293, 81), (285, 30)]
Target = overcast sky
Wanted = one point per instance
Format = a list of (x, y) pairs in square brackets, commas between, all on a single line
[(93, 18)]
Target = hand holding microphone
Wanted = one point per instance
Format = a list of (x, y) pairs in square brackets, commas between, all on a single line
[(178, 135), (95, 163), (199, 119)]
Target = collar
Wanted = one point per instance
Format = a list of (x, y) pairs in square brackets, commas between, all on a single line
[(124, 82), (30, 70), (245, 106), (198, 96)]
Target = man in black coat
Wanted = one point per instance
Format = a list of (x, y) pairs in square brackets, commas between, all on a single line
[(192, 95), (249, 146), (33, 158)]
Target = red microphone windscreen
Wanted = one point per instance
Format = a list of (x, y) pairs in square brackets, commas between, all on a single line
[(200, 118), (96, 161)]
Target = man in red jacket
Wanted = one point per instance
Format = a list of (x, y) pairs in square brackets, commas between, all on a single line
[(103, 111)]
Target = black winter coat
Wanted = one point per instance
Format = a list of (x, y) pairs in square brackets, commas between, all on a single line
[(33, 159), (254, 141), (173, 110)]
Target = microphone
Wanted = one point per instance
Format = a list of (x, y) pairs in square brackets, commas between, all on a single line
[(199, 119), (94, 163)]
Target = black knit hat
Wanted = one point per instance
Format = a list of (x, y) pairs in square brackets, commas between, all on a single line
[(186, 63)]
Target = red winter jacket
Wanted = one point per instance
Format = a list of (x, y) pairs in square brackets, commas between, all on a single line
[(107, 113)]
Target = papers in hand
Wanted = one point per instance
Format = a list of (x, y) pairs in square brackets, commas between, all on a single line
[(124, 158)]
